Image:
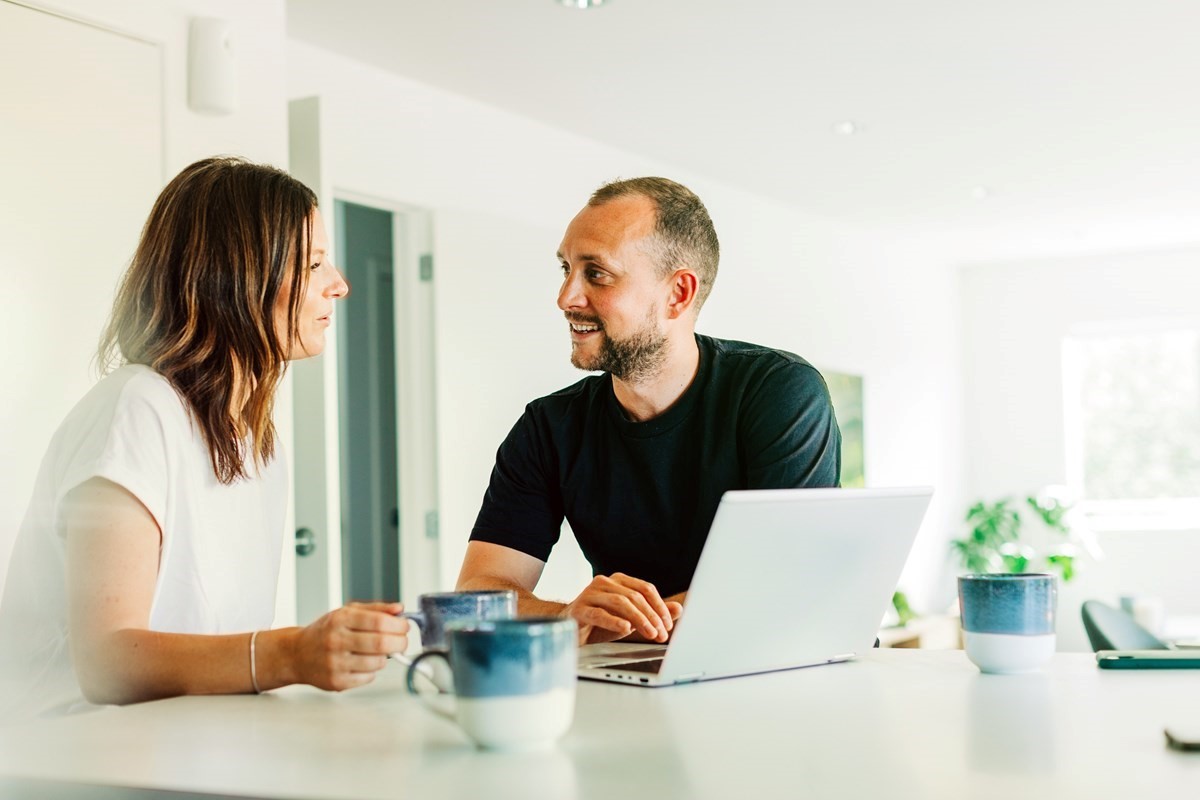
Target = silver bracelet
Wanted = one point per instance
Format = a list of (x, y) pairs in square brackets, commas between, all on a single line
[(253, 669)]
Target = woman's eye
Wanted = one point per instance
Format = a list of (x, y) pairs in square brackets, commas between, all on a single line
[(316, 266)]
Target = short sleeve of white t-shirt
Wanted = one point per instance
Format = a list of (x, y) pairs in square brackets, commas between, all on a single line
[(221, 544)]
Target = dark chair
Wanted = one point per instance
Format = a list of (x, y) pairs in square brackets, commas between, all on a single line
[(1109, 628)]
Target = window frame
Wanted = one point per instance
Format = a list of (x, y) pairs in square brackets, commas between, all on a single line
[(1129, 514)]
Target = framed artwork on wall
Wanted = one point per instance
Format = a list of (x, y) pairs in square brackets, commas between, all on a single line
[(846, 392)]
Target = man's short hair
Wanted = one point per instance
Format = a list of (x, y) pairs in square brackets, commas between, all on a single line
[(684, 230)]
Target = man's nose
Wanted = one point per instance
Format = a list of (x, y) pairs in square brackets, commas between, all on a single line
[(571, 294)]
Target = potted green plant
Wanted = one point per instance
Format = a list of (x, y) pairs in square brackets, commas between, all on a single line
[(1001, 538)]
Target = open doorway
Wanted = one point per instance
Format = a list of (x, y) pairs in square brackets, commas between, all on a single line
[(386, 450), (367, 405)]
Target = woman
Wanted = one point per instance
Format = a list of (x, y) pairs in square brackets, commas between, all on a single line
[(147, 563)]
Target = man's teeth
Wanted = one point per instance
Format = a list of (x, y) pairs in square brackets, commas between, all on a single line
[(584, 328)]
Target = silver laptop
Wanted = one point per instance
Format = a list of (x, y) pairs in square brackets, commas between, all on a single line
[(788, 578)]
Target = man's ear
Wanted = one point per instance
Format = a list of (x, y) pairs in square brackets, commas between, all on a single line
[(684, 286)]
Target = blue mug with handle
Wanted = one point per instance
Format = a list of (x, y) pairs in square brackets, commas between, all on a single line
[(439, 608), (513, 680)]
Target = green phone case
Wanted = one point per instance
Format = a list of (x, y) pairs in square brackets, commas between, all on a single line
[(1148, 659)]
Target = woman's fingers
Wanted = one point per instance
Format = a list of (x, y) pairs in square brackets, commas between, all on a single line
[(347, 646)]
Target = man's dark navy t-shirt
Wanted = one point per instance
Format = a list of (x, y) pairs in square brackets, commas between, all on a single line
[(640, 496)]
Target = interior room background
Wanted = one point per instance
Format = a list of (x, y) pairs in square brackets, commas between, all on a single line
[(958, 341)]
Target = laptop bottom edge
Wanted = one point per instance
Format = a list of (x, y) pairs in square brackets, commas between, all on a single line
[(651, 681)]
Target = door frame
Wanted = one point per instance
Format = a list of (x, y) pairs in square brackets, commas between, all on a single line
[(314, 398)]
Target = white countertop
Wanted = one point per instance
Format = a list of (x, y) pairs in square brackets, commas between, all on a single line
[(896, 723)]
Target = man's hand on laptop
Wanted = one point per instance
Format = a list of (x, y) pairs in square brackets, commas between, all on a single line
[(618, 606)]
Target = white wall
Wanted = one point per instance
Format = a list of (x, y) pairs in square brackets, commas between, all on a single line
[(1014, 318), (502, 188), (258, 129)]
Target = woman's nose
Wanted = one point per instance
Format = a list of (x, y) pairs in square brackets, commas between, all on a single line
[(338, 287)]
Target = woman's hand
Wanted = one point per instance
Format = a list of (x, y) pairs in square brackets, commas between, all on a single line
[(347, 646)]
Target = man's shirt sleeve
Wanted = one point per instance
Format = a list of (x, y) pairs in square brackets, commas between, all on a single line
[(522, 508), (789, 433)]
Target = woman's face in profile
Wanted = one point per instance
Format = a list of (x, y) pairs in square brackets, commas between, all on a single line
[(325, 284)]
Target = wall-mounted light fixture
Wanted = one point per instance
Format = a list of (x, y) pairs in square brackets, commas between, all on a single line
[(212, 73)]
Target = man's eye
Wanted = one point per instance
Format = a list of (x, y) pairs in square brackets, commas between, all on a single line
[(594, 274), (565, 269)]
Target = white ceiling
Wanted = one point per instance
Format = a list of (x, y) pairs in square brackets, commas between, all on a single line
[(1080, 118)]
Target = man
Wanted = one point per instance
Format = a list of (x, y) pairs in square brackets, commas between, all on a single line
[(637, 458)]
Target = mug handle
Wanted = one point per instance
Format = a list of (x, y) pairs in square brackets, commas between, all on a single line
[(419, 618), (422, 622), (424, 697)]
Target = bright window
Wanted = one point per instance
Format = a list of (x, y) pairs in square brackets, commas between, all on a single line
[(1132, 412)]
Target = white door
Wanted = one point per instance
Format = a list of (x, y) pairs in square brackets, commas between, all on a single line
[(81, 161)]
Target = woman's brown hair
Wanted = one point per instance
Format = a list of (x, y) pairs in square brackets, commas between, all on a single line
[(197, 303)]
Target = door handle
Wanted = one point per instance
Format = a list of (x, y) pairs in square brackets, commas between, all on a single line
[(306, 542)]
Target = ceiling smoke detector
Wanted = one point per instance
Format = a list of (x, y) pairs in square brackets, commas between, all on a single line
[(582, 4)]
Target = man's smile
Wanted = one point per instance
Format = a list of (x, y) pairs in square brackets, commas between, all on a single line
[(583, 329)]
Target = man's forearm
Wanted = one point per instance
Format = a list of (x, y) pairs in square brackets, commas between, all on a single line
[(528, 605)]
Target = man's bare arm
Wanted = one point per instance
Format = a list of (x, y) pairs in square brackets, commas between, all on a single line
[(609, 608), (493, 566)]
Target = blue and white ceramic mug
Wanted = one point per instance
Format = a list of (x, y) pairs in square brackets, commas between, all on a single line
[(437, 609), (514, 680), (1008, 620)]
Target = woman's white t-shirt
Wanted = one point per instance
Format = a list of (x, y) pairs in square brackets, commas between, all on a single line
[(221, 544)]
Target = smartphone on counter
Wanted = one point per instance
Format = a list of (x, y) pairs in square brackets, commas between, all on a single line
[(1148, 659)]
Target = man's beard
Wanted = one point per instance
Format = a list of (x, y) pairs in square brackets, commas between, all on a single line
[(633, 359)]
